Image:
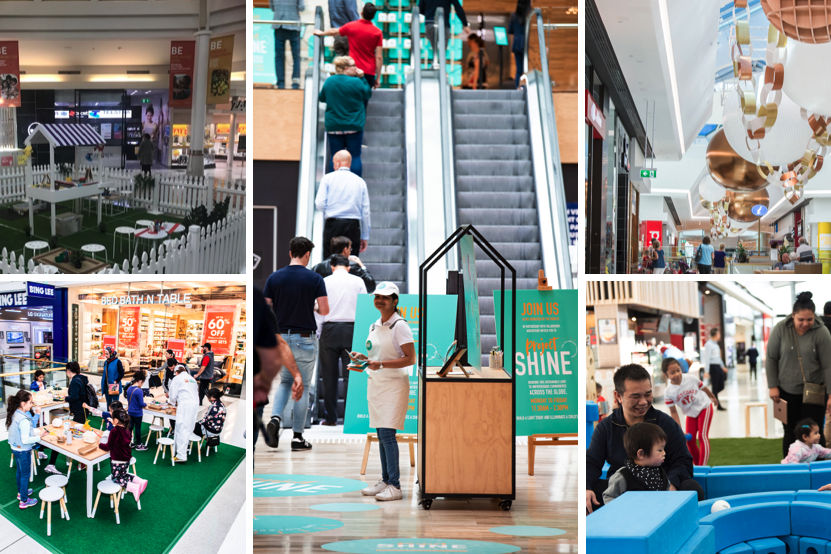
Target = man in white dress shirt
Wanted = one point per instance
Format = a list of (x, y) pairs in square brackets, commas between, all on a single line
[(344, 201), (184, 394), (336, 336)]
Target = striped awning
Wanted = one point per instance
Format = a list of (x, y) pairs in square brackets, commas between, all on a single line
[(65, 134)]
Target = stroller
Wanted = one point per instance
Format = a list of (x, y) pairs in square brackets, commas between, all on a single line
[(684, 268)]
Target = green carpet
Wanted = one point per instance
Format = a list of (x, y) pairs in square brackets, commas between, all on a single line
[(14, 237), (750, 451), (174, 497)]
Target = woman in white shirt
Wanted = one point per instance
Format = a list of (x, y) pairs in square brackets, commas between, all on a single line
[(391, 349), (696, 402)]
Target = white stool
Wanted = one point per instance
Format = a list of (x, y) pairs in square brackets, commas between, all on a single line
[(114, 491), (130, 232), (47, 496), (93, 248), (158, 430), (58, 482), (208, 434), (123, 490), (133, 466), (34, 246), (194, 438), (144, 223), (164, 443)]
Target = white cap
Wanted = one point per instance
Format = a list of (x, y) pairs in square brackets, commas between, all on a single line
[(386, 288)]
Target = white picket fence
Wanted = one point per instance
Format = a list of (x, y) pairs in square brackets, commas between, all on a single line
[(175, 193), (217, 249)]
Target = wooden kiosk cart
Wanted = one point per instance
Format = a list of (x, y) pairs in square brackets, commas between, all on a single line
[(467, 418)]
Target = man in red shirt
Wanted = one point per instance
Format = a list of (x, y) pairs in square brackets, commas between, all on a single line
[(365, 44)]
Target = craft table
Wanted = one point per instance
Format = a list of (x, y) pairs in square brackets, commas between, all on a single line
[(48, 407), (71, 451), (55, 195)]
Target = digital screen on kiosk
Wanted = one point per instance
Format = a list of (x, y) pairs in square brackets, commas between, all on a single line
[(14, 337)]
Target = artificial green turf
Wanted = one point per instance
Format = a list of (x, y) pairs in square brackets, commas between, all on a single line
[(750, 451), (13, 236), (173, 499)]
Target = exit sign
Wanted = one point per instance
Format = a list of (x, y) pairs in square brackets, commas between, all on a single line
[(649, 173), (145, 100)]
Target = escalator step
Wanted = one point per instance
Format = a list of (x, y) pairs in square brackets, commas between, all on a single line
[(488, 107), (385, 109), (391, 237), (468, 152), (491, 168), (525, 269), (383, 138), (386, 220), (378, 254), (374, 170), (524, 200), (493, 136), (387, 203), (528, 233), (506, 217), (502, 95), (384, 186), (383, 124), (383, 154), (468, 183), (492, 122), (388, 271), (513, 250)]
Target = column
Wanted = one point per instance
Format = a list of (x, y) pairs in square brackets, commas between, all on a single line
[(196, 164), (824, 244), (231, 148)]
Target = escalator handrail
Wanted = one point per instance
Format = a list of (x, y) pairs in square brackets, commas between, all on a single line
[(307, 196), (446, 147), (415, 52)]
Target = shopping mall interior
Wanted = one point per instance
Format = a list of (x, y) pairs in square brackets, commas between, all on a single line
[(701, 122), (95, 79), (46, 325)]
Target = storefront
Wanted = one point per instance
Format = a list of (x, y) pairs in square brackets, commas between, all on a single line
[(142, 320)]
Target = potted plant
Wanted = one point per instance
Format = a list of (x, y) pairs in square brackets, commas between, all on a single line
[(28, 230), (77, 258), (142, 182), (784, 249), (102, 227), (741, 254), (53, 242)]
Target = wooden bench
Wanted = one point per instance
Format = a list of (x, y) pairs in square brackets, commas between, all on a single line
[(555, 439), (406, 439)]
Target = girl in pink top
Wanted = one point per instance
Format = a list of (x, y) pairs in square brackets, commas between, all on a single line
[(696, 402), (806, 448)]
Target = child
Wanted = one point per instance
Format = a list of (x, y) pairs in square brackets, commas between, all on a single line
[(806, 448), (214, 418), (600, 398), (38, 384), (118, 445), (135, 405), (696, 402), (23, 435), (106, 416), (644, 444)]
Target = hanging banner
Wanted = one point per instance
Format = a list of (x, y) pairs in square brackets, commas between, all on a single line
[(108, 340), (263, 41), (440, 331), (474, 337), (547, 388), (182, 56), (220, 58), (218, 328), (9, 74), (128, 327), (178, 347)]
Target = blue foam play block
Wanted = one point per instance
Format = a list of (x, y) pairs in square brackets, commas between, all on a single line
[(703, 541), (701, 478), (748, 523), (589, 433), (741, 548), (740, 500), (760, 468), (825, 464), (729, 484), (592, 411), (791, 543), (606, 467), (820, 478), (643, 523), (808, 545), (810, 519), (702, 469), (768, 546), (813, 496)]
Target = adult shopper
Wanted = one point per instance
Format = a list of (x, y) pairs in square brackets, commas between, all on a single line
[(168, 379), (752, 358), (343, 246), (786, 264), (76, 396), (658, 262), (342, 12), (206, 371), (517, 28), (184, 394), (346, 95), (112, 375), (720, 260), (391, 350), (336, 336), (366, 44), (287, 10), (711, 359), (145, 154), (344, 201), (799, 366), (293, 293), (633, 393), (705, 262), (428, 8)]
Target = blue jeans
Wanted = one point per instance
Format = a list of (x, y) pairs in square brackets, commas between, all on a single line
[(352, 144), (280, 38), (519, 58), (109, 399), (388, 445), (24, 467), (304, 351)]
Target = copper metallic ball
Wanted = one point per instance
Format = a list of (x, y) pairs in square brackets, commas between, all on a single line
[(807, 21), (741, 204), (729, 169)]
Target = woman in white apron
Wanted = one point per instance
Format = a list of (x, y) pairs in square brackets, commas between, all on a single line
[(391, 350)]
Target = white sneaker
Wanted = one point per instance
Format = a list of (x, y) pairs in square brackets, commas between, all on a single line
[(374, 489), (53, 470), (389, 493)]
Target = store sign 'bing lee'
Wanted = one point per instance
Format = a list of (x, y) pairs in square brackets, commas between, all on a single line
[(147, 299)]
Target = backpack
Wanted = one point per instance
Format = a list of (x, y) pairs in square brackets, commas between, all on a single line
[(92, 396)]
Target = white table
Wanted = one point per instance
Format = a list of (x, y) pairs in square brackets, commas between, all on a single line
[(148, 235), (44, 411), (53, 196), (90, 463)]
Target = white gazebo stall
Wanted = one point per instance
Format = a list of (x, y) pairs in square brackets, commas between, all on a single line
[(59, 135)]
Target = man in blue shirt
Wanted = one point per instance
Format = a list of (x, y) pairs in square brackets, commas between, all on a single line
[(287, 10), (292, 292), (342, 12), (344, 201)]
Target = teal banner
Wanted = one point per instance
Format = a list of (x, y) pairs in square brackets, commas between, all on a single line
[(264, 48), (474, 336), (547, 387), (440, 330)]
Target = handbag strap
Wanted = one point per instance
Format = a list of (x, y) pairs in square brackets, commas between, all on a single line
[(798, 354)]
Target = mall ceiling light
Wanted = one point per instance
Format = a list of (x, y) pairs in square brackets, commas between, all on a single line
[(662, 5)]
